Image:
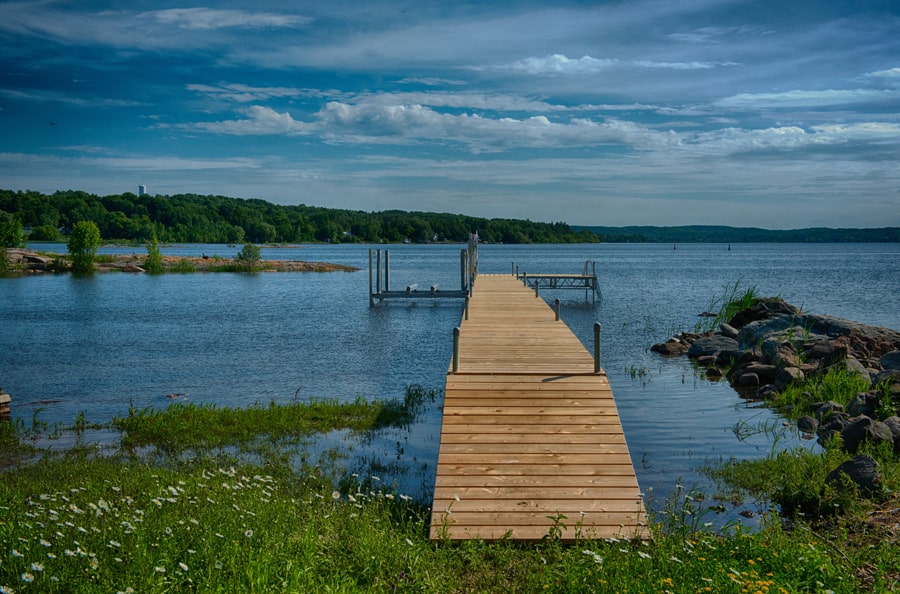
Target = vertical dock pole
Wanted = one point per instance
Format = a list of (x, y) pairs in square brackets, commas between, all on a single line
[(371, 298), (464, 281), (556, 308), (387, 270), (456, 349), (467, 307), (596, 347), (378, 273)]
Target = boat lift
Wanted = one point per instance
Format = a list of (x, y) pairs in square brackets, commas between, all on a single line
[(380, 273)]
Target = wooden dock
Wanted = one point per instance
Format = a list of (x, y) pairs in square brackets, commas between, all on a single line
[(530, 433)]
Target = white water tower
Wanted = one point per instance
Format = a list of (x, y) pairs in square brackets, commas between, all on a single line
[(142, 189)]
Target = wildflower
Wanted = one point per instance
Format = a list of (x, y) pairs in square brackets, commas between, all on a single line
[(375, 478), (220, 535), (409, 542), (27, 578), (51, 556), (335, 495), (248, 533), (183, 566), (37, 567), (17, 554), (6, 590), (44, 543), (94, 563), (643, 555), (69, 553), (159, 569)]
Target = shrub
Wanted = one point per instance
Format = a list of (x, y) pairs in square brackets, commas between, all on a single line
[(248, 257), (83, 244), (154, 263)]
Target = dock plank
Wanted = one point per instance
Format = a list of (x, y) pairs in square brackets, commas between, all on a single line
[(529, 430)]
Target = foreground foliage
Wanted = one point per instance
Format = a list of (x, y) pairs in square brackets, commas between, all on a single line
[(200, 519)]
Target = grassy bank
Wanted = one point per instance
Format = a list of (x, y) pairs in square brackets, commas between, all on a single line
[(201, 515)]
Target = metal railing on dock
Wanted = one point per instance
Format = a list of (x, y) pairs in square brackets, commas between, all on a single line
[(587, 280)]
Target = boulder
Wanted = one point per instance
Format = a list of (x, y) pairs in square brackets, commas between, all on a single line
[(780, 354), (712, 346), (670, 348), (747, 380), (890, 361), (765, 373), (807, 424), (824, 410), (762, 311), (864, 429), (728, 331), (864, 403), (893, 423), (859, 473), (788, 376)]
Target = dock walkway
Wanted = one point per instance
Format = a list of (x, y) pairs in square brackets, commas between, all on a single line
[(530, 433)]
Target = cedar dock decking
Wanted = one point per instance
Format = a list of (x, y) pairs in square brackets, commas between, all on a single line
[(530, 432)]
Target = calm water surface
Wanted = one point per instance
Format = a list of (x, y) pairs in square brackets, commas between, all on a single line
[(98, 344)]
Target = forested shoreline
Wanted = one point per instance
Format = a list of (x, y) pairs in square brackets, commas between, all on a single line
[(193, 218), (219, 219)]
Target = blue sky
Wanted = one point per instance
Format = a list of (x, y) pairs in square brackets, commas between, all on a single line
[(634, 112)]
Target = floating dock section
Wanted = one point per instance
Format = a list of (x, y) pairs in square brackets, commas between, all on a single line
[(531, 443)]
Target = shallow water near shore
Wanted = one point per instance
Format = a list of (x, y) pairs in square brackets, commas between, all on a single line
[(99, 344)]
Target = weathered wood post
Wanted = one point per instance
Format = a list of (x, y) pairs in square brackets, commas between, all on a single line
[(5, 399), (387, 270), (556, 308), (467, 307), (596, 347), (371, 298), (456, 349)]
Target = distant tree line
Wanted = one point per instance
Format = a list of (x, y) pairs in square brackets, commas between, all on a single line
[(219, 219), (723, 234)]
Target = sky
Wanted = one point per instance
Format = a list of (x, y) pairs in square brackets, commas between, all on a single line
[(749, 113)]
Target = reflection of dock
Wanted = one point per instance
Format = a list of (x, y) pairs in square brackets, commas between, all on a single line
[(530, 437), (587, 280)]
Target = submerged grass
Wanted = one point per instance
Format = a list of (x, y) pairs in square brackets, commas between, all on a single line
[(80, 522)]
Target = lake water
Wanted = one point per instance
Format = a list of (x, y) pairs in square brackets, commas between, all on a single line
[(101, 343)]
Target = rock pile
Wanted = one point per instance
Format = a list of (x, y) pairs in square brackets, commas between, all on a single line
[(771, 345)]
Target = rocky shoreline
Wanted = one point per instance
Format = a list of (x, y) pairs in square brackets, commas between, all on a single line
[(28, 261), (767, 347)]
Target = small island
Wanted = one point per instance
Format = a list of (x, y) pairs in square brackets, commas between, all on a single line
[(32, 262)]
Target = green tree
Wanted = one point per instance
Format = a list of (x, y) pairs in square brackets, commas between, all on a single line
[(45, 233), (11, 233), (154, 262), (248, 257), (83, 244)]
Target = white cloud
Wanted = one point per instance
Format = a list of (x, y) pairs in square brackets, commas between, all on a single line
[(241, 93), (683, 65), (208, 18), (560, 64), (799, 98), (260, 120)]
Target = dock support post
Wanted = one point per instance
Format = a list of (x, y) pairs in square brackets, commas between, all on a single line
[(378, 273), (387, 270), (371, 298), (596, 347), (456, 349), (556, 308), (536, 291), (467, 307), (464, 281)]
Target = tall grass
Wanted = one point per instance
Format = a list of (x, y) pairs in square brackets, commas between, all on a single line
[(734, 298), (212, 522)]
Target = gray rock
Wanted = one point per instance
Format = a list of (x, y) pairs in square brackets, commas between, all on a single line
[(890, 361), (728, 331), (748, 380), (788, 376), (859, 473), (864, 430), (780, 354), (864, 403), (762, 311), (711, 346), (670, 348), (824, 410), (807, 424)]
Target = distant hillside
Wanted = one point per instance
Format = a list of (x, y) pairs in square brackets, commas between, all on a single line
[(723, 234)]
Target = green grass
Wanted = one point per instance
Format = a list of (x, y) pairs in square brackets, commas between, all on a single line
[(734, 298), (199, 519)]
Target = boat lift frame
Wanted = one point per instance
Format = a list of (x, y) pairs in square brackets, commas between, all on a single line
[(380, 273)]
